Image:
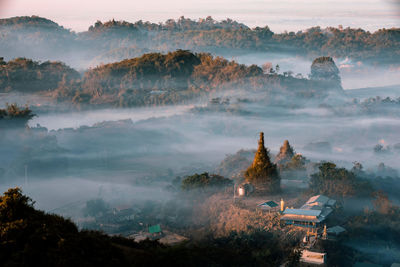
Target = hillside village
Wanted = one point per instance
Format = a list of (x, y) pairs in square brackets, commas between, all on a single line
[(249, 201), (304, 207)]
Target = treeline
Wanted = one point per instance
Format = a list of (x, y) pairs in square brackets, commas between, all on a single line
[(154, 79), (31, 237), (13, 115), (26, 75), (206, 34)]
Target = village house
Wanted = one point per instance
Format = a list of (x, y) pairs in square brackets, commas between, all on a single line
[(312, 214)]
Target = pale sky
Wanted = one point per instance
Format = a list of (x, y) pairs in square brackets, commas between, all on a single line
[(280, 15)]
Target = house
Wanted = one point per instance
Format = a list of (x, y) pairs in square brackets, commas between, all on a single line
[(312, 214), (311, 257), (268, 206), (155, 231)]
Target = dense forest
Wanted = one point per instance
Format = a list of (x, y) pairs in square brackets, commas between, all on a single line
[(32, 236), (26, 75), (160, 79), (117, 40)]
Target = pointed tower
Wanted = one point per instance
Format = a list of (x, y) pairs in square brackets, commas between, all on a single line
[(262, 173), (286, 153), (261, 156)]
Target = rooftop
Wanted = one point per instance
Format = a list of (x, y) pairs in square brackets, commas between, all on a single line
[(316, 209), (268, 204), (312, 257)]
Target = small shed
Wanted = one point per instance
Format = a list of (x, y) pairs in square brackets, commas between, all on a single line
[(308, 256), (155, 229), (268, 205), (336, 230)]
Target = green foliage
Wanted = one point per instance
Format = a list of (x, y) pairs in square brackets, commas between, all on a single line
[(14, 116), (234, 165), (25, 75), (263, 174), (205, 181), (205, 34), (13, 111), (152, 79), (29, 237), (333, 181), (296, 163), (378, 231), (157, 79)]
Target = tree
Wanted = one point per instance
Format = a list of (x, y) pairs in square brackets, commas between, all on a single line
[(262, 173), (205, 181), (14, 206), (298, 162), (333, 181), (381, 202), (15, 116), (31, 237)]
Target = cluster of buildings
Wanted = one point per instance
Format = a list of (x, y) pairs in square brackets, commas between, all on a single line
[(312, 214)]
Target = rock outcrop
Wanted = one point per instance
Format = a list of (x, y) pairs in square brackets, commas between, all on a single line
[(324, 69)]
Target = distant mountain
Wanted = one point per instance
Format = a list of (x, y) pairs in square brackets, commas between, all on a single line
[(42, 39), (33, 21)]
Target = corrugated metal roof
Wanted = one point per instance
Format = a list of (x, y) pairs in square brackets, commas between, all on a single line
[(318, 198), (270, 204), (154, 229), (336, 230), (305, 212), (297, 218)]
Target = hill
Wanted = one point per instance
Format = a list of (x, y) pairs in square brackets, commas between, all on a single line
[(26, 75), (37, 38), (158, 79), (30, 237)]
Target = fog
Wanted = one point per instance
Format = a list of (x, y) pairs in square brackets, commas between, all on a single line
[(130, 157), (354, 74), (87, 118)]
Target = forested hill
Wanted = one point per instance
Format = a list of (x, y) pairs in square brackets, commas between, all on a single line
[(34, 21), (26, 75), (113, 40), (158, 79)]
